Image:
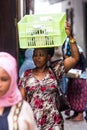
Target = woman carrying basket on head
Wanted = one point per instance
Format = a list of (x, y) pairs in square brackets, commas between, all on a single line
[(39, 85)]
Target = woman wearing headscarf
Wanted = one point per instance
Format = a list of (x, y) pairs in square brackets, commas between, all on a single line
[(11, 100), (28, 61), (77, 86)]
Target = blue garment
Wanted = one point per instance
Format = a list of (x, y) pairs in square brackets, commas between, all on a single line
[(82, 63), (3, 119), (83, 75), (63, 84), (28, 62), (64, 80)]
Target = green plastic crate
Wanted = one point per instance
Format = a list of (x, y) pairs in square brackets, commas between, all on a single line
[(47, 30)]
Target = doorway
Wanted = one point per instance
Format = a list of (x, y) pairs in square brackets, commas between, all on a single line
[(8, 28), (85, 24)]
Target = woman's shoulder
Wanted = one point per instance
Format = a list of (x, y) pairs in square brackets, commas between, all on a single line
[(23, 107), (57, 63), (27, 72), (25, 103), (26, 106), (22, 103), (25, 113)]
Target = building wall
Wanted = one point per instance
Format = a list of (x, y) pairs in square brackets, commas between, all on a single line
[(78, 20)]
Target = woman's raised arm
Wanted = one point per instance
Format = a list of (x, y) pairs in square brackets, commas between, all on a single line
[(73, 59)]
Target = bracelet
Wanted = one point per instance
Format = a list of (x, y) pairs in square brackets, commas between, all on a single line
[(72, 41)]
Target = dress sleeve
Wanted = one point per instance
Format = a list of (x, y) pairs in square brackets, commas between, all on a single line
[(24, 77), (21, 82), (59, 69)]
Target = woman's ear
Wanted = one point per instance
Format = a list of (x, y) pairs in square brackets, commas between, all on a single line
[(49, 57)]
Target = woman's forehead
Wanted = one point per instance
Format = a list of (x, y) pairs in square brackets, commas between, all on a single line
[(41, 49)]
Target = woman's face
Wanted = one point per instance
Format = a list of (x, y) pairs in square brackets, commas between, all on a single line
[(5, 81), (40, 57)]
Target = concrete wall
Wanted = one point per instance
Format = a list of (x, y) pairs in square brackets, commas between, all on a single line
[(78, 27)]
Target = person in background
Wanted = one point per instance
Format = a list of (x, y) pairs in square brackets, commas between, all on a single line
[(77, 87), (28, 61), (39, 85), (11, 100), (58, 55)]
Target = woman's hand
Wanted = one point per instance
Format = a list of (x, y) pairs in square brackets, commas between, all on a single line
[(68, 29)]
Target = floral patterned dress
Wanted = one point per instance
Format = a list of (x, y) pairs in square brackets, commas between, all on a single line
[(41, 95)]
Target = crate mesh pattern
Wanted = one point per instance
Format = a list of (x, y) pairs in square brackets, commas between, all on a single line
[(47, 30)]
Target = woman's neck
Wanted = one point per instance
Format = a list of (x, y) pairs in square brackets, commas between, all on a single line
[(42, 70), (40, 73), (1, 110)]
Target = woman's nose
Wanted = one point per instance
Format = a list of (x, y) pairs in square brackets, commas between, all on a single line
[(37, 57)]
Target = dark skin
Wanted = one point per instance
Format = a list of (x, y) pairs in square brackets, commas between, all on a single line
[(41, 58)]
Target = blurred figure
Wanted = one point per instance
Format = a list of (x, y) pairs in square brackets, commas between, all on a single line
[(13, 114), (28, 62), (58, 56), (77, 87)]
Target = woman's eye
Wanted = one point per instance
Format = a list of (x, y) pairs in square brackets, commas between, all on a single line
[(34, 55), (4, 79), (38, 55)]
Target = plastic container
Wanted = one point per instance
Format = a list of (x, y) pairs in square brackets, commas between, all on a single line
[(47, 30)]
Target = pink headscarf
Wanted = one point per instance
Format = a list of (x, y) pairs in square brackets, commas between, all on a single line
[(13, 95)]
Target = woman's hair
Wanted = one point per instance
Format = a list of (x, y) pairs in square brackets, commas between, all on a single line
[(51, 51)]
